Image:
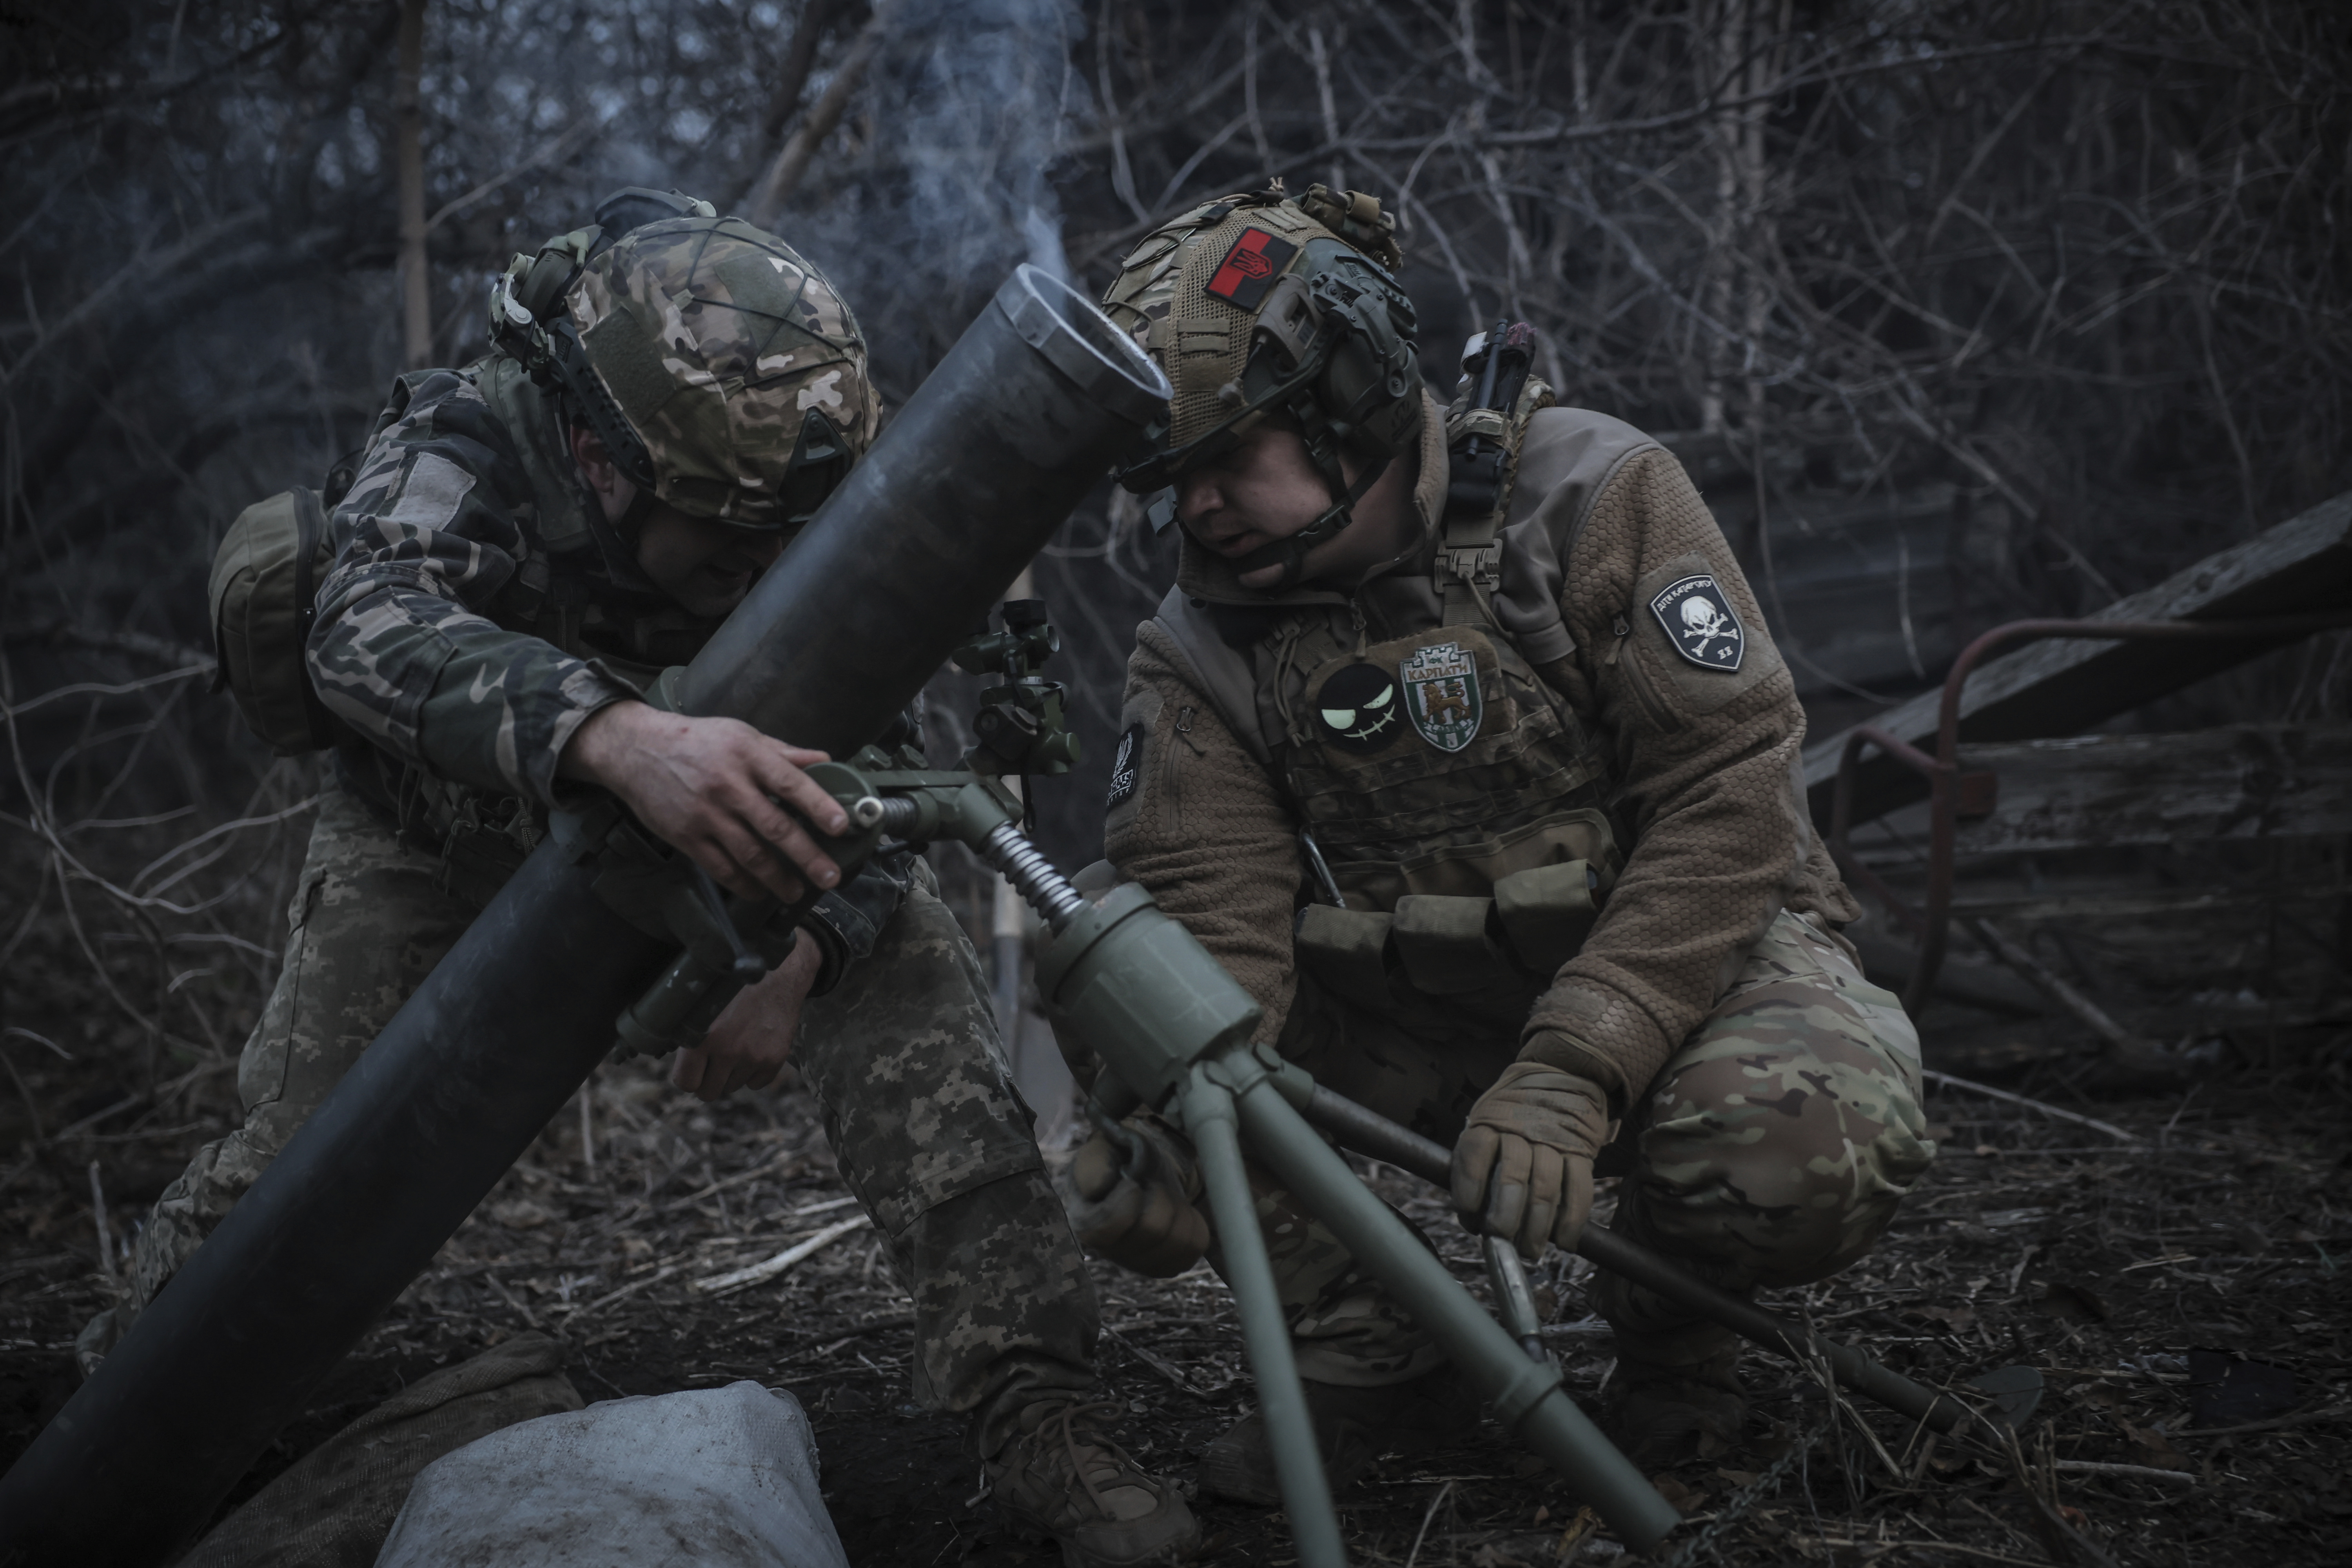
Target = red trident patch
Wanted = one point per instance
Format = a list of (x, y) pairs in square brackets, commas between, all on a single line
[(1251, 267)]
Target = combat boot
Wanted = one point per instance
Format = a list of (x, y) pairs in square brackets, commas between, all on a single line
[(1353, 1427), (1059, 1476), (1676, 1397)]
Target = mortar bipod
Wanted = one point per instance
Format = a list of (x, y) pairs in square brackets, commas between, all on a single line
[(2014, 1391), (1174, 1029)]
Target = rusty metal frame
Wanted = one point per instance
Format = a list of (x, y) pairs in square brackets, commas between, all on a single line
[(1953, 794)]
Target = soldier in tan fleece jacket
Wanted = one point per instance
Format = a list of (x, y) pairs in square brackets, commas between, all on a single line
[(1460, 741)]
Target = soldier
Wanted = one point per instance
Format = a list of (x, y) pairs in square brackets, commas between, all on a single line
[(527, 542), (1460, 742)]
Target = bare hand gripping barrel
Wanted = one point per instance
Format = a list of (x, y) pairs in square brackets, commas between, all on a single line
[(1024, 416)]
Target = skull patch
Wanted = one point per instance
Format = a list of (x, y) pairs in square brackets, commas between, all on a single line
[(1700, 622)]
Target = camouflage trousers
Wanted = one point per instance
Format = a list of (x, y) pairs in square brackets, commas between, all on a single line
[(903, 1056), (1772, 1148)]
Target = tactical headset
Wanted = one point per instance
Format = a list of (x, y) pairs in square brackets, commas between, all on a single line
[(1332, 347)]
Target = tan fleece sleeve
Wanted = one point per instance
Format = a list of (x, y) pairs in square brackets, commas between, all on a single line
[(1704, 760), (1203, 829)]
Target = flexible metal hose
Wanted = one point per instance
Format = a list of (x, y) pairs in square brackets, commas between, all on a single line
[(1008, 851)]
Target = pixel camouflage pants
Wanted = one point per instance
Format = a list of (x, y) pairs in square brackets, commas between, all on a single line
[(903, 1056), (1772, 1148)]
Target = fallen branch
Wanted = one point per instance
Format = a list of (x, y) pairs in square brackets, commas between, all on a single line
[(1945, 1081), (820, 1351), (623, 1293), (1167, 1370), (1880, 1548), (761, 1273), (1583, 1328), (1423, 1534), (2133, 1472), (2300, 1418), (2128, 1049), (499, 1287)]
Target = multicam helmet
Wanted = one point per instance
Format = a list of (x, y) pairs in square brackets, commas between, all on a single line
[(1265, 305), (722, 371)]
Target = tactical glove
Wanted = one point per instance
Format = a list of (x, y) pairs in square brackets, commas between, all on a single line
[(1135, 1201), (1523, 1166)]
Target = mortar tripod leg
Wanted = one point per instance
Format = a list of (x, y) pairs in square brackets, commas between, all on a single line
[(1209, 1122), (1527, 1398)]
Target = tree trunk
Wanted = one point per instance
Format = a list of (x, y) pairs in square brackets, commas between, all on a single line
[(415, 278), (783, 175)]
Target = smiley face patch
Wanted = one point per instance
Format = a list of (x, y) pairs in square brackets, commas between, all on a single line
[(1358, 709)]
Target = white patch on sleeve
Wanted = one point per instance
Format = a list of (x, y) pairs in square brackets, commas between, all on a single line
[(430, 494), (824, 389)]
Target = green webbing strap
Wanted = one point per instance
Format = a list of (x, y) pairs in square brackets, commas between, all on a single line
[(1470, 563)]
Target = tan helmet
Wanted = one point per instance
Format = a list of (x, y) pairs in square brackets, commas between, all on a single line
[(1269, 305), (723, 372)]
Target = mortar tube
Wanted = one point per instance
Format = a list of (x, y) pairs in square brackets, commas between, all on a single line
[(1527, 1399), (980, 467)]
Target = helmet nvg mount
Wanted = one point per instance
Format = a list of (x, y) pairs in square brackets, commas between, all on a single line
[(722, 372), (1271, 305)]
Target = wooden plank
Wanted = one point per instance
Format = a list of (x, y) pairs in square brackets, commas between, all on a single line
[(2241, 780), (2019, 1042), (2143, 903), (2061, 688)]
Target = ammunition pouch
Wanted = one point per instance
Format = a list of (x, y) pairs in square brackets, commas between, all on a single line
[(1346, 950), (1547, 912), (1441, 940), (1449, 945), (264, 593)]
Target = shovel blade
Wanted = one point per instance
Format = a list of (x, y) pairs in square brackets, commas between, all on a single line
[(2015, 1391)]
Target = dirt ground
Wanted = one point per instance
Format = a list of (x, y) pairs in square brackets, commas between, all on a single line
[(2220, 1224)]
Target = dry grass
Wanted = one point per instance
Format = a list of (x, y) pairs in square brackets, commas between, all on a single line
[(2102, 1263)]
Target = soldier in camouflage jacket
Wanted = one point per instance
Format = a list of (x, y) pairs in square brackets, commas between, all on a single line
[(518, 559), (1460, 741)]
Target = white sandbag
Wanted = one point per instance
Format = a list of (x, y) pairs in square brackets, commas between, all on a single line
[(720, 1477)]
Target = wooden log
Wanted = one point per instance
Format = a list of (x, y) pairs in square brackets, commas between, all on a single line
[(2125, 1048), (1888, 960), (2241, 780), (2061, 688)]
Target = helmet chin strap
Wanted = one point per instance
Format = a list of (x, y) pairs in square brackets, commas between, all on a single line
[(617, 539), (1290, 553)]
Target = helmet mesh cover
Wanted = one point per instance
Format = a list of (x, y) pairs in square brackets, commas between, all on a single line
[(716, 340)]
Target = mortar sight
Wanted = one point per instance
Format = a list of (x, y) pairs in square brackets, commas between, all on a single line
[(1020, 726)]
